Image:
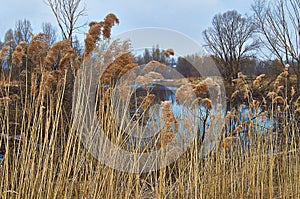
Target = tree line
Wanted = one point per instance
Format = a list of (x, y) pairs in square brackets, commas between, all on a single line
[(273, 30)]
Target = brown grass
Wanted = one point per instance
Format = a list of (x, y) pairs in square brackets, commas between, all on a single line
[(44, 156)]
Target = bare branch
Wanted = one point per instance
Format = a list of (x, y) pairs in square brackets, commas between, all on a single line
[(67, 14)]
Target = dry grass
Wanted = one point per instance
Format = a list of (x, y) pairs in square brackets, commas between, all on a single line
[(44, 156)]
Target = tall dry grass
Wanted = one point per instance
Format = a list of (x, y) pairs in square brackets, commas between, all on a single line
[(44, 156)]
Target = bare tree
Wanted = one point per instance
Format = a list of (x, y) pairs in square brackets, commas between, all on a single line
[(231, 39), (67, 14), (50, 32), (22, 31), (11, 44), (279, 23)]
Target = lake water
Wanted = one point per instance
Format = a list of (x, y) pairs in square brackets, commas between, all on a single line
[(180, 112)]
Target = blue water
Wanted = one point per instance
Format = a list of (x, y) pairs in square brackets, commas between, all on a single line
[(260, 126), (1, 157)]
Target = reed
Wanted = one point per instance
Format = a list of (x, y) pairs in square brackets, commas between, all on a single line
[(44, 156)]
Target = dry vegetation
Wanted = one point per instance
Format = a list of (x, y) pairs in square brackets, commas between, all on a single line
[(45, 158)]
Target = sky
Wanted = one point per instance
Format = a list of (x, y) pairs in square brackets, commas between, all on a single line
[(190, 17)]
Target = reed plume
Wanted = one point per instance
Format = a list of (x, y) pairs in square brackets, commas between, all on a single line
[(257, 81), (92, 37), (6, 47), (109, 21), (55, 53), (70, 57), (120, 66), (205, 85), (280, 77), (147, 101), (169, 124), (207, 103), (115, 49), (241, 85), (17, 56), (185, 94), (38, 48), (96, 30), (169, 52)]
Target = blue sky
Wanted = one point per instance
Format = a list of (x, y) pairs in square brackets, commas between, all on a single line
[(190, 17)]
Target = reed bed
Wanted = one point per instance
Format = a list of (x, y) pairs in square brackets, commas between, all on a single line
[(45, 155)]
